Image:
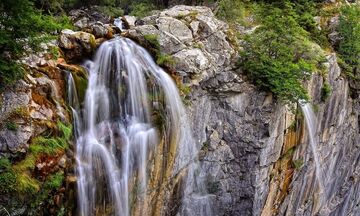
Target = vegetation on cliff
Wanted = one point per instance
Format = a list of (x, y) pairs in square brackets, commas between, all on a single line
[(279, 55), (282, 52), (22, 27), (349, 46)]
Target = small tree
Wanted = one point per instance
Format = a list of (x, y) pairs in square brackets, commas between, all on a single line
[(278, 56), (349, 29)]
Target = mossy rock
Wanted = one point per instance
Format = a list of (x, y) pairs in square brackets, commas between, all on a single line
[(80, 78), (81, 82)]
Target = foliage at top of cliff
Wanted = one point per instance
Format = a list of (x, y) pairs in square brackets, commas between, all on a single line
[(349, 46), (22, 27), (283, 48)]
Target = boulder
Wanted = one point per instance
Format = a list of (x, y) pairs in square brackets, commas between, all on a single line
[(76, 45)]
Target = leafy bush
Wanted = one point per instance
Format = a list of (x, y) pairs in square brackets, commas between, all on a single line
[(231, 10), (21, 25), (111, 11), (278, 56), (142, 9), (349, 30)]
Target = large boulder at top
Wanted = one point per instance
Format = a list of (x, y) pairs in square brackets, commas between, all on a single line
[(198, 42), (76, 45)]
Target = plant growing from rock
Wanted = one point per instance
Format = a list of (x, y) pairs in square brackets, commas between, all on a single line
[(278, 56), (349, 47)]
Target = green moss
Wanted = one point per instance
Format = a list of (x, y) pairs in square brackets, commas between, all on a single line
[(292, 126), (289, 153), (297, 164), (26, 184), (4, 164), (205, 146), (7, 182), (55, 181), (153, 40), (198, 45), (165, 60), (27, 164), (65, 130), (11, 126), (40, 146)]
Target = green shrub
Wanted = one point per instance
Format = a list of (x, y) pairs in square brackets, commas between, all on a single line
[(325, 91), (26, 184), (278, 56), (111, 11), (142, 9), (21, 25), (349, 30), (231, 10)]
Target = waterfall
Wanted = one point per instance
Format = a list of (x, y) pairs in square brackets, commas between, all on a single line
[(118, 23), (311, 124), (133, 138)]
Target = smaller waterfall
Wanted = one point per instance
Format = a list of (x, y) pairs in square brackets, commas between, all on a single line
[(118, 23), (311, 124)]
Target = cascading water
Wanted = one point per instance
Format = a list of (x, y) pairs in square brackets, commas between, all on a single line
[(311, 124), (132, 137)]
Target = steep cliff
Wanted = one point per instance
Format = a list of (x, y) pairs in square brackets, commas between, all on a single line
[(254, 151)]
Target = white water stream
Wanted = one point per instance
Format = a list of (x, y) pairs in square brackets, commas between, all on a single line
[(116, 134)]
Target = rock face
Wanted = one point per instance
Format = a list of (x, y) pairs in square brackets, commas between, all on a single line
[(238, 128), (30, 112), (254, 152)]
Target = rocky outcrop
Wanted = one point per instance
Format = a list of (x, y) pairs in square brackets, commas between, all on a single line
[(254, 154), (254, 151), (238, 129), (34, 140)]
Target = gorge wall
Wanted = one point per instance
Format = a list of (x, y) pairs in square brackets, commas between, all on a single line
[(254, 151)]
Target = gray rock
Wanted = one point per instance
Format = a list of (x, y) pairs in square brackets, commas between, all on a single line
[(99, 30), (175, 27), (196, 61), (129, 20)]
